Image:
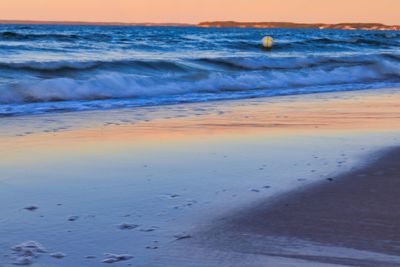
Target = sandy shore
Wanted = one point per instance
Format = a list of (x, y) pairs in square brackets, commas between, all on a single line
[(147, 186), (357, 210)]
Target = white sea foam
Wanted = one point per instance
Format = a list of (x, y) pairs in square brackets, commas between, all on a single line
[(117, 85), (82, 64)]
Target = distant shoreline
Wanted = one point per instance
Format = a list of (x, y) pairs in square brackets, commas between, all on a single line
[(221, 24)]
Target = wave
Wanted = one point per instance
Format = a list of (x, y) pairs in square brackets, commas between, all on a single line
[(182, 65), (287, 63), (71, 65), (330, 43), (350, 42), (30, 36), (18, 36), (120, 86), (64, 66), (355, 41)]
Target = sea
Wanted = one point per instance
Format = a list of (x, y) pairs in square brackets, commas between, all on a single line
[(58, 68)]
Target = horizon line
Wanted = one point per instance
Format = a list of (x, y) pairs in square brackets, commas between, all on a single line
[(116, 23)]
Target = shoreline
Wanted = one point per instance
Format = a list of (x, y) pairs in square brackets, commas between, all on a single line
[(214, 102), (171, 171), (355, 211), (339, 109)]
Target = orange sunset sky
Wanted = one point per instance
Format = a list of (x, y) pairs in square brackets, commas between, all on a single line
[(193, 11)]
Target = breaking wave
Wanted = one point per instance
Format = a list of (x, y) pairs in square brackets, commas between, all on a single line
[(117, 85), (52, 68)]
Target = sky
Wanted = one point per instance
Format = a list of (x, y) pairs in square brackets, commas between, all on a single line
[(194, 11)]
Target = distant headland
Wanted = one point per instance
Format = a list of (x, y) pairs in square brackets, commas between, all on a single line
[(224, 24), (291, 25)]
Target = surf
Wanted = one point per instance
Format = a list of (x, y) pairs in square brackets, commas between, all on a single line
[(57, 68)]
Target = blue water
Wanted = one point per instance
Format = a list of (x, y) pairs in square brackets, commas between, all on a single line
[(69, 68)]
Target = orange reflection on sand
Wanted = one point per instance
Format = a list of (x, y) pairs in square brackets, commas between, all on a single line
[(279, 117)]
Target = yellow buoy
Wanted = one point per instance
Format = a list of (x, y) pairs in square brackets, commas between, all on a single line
[(267, 42)]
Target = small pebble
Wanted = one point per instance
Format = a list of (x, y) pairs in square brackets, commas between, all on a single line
[(127, 226), (148, 229), (182, 236), (90, 257), (31, 208), (73, 218), (112, 258), (57, 255)]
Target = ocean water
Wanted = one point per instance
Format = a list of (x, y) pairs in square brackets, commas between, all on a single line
[(45, 68)]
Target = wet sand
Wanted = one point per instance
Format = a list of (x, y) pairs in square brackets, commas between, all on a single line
[(358, 210), (118, 186)]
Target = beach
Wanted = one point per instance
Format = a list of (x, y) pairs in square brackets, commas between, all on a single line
[(355, 210), (306, 180)]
